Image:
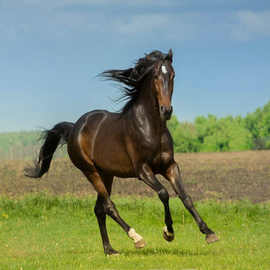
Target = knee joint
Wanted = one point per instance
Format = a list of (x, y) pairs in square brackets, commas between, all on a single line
[(99, 210), (188, 201), (163, 195), (110, 208)]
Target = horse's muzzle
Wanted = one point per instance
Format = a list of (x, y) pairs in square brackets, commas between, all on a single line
[(166, 112)]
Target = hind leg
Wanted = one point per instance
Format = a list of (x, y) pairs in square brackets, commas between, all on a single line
[(105, 206), (101, 217)]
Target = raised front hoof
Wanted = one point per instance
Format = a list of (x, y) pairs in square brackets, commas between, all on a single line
[(211, 238), (168, 236), (140, 244), (111, 252)]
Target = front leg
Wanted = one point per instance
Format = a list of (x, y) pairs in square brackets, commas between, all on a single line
[(147, 176), (173, 175)]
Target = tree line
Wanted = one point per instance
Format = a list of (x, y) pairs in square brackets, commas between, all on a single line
[(22, 145), (213, 134), (204, 134)]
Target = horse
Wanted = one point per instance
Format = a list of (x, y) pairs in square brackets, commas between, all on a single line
[(133, 142)]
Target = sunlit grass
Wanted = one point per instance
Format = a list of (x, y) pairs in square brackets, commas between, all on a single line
[(44, 232)]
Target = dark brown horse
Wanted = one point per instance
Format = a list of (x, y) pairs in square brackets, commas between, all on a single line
[(132, 143)]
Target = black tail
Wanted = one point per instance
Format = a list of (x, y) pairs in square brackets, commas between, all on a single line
[(52, 139)]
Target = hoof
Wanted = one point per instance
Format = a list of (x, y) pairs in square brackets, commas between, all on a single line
[(140, 244), (168, 236), (211, 238), (111, 252), (138, 240)]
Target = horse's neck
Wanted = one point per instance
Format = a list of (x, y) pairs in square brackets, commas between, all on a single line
[(146, 114)]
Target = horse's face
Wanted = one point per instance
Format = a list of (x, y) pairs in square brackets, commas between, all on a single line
[(163, 86)]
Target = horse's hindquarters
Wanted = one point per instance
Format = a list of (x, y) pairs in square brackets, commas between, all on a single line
[(110, 152), (97, 141)]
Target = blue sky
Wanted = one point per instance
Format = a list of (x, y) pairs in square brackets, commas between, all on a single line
[(51, 52)]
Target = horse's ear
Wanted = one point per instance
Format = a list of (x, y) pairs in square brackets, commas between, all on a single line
[(169, 56)]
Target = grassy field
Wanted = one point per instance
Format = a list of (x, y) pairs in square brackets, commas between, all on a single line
[(50, 224), (48, 232)]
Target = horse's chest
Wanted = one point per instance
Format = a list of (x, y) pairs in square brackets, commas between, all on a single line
[(148, 136), (148, 140)]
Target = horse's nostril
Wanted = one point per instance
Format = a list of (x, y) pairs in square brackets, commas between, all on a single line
[(163, 109), (166, 111)]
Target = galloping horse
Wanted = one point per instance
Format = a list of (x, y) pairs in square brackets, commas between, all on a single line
[(134, 142)]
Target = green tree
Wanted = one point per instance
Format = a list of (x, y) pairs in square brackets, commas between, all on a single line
[(258, 123), (184, 136)]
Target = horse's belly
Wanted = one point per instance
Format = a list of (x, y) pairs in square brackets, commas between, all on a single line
[(114, 162), (111, 156)]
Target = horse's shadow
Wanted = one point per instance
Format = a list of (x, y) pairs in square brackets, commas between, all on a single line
[(166, 251)]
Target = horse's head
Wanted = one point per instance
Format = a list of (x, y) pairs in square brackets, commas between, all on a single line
[(163, 81), (154, 69)]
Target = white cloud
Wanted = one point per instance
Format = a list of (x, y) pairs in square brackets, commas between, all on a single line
[(171, 26), (142, 23), (250, 24), (51, 4), (61, 18)]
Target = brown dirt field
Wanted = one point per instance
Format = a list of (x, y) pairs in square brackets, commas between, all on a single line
[(220, 176)]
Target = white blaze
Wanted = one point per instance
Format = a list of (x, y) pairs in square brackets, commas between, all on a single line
[(164, 69)]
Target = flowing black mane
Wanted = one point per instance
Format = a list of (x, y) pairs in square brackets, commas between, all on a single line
[(132, 78)]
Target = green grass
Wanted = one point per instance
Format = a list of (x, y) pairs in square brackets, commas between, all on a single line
[(44, 232)]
